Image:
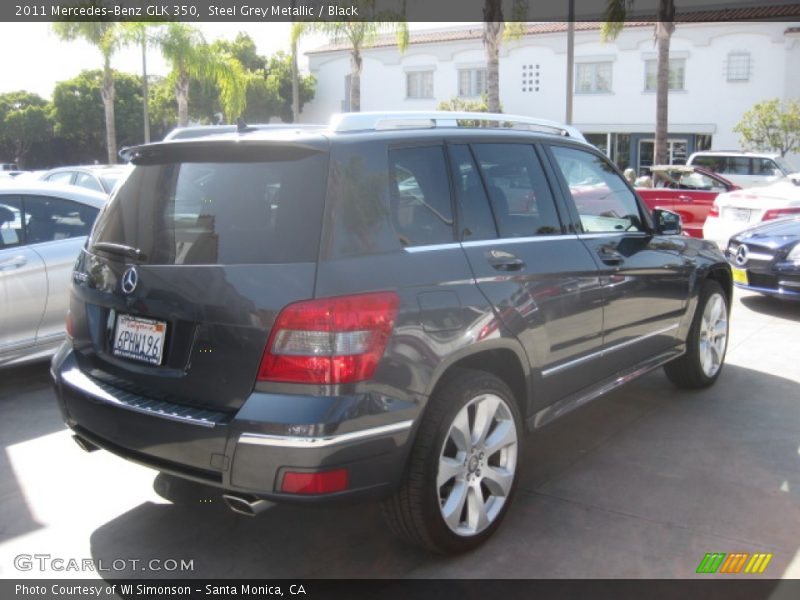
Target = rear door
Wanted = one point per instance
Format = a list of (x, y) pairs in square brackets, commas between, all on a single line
[(645, 277), (191, 262), (23, 280), (539, 277)]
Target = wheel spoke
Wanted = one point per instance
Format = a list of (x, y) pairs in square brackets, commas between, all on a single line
[(459, 431), (504, 435), (485, 410), (454, 505), (448, 469), (498, 480), (476, 509)]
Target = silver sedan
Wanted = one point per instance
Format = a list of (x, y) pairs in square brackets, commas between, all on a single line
[(42, 229)]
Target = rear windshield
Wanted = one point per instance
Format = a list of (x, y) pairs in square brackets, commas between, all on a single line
[(200, 212)]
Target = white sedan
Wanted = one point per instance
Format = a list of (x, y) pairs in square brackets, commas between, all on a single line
[(735, 211)]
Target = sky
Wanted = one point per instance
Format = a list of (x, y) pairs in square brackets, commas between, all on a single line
[(35, 59)]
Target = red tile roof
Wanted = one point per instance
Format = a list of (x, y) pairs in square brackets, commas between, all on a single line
[(755, 13)]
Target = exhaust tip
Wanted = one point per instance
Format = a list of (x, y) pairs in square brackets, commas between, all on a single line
[(85, 444), (246, 505)]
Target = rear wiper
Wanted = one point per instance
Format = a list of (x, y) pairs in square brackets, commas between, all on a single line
[(121, 249)]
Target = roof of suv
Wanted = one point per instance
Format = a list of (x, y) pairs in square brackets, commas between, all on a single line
[(734, 153)]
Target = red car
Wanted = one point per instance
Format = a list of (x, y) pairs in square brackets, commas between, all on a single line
[(688, 191)]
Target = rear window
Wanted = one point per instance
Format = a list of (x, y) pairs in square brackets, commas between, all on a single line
[(263, 207)]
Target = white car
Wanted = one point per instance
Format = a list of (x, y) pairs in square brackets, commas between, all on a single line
[(735, 211), (745, 169)]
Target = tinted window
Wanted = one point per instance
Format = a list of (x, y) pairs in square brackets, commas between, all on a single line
[(264, 206), (11, 229), (419, 196), (48, 219), (88, 181), (477, 222), (601, 197), (764, 166), (520, 194)]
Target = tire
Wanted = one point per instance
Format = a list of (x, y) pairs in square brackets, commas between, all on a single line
[(471, 481), (702, 363)]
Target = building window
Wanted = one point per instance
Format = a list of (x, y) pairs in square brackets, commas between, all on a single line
[(737, 66), (592, 78), (471, 82), (677, 74), (419, 84), (530, 78)]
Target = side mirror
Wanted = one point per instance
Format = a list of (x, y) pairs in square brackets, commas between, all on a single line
[(667, 222)]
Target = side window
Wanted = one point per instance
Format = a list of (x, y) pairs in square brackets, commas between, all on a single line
[(477, 222), (61, 177), (419, 196), (765, 166), (87, 181), (518, 189), (604, 202), (11, 219), (739, 165), (48, 219)]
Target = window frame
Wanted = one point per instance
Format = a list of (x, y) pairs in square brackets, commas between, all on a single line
[(654, 62), (594, 65), (738, 73), (473, 92), (421, 73)]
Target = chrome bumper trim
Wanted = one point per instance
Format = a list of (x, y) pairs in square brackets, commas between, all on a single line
[(281, 441)]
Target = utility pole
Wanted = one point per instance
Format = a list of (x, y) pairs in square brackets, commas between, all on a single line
[(570, 60)]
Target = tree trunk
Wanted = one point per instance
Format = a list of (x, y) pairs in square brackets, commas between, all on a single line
[(145, 91), (295, 86), (664, 29), (107, 93), (182, 97), (493, 26), (355, 80)]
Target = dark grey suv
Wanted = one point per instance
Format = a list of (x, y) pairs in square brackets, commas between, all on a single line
[(375, 310)]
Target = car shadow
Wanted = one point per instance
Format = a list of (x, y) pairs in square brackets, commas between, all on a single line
[(28, 411), (649, 422), (776, 307)]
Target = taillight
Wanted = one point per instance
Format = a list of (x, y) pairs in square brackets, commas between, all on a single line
[(323, 482), (714, 212), (777, 213), (330, 340)]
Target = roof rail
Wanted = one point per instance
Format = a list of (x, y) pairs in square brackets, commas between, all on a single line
[(372, 121)]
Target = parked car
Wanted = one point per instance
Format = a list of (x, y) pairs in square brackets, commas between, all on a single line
[(745, 169), (42, 229), (734, 211), (688, 191), (766, 258), (364, 312), (99, 178)]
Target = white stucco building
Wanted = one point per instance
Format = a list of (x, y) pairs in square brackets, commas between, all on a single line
[(718, 71)]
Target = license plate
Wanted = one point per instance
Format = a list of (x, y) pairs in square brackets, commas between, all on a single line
[(139, 339), (741, 215), (739, 276)]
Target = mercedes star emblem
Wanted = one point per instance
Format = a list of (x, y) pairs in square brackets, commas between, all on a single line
[(129, 280), (741, 255)]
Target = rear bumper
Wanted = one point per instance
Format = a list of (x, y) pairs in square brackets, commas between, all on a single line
[(245, 452)]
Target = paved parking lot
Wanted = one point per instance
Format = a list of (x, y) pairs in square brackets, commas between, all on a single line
[(640, 483)]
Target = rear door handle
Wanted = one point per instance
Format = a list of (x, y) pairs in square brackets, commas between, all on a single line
[(610, 257), (13, 262), (685, 198), (504, 261)]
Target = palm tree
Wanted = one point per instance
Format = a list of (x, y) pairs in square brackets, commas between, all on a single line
[(360, 35), (192, 58), (106, 37), (138, 32), (616, 12), (298, 29), (494, 31)]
